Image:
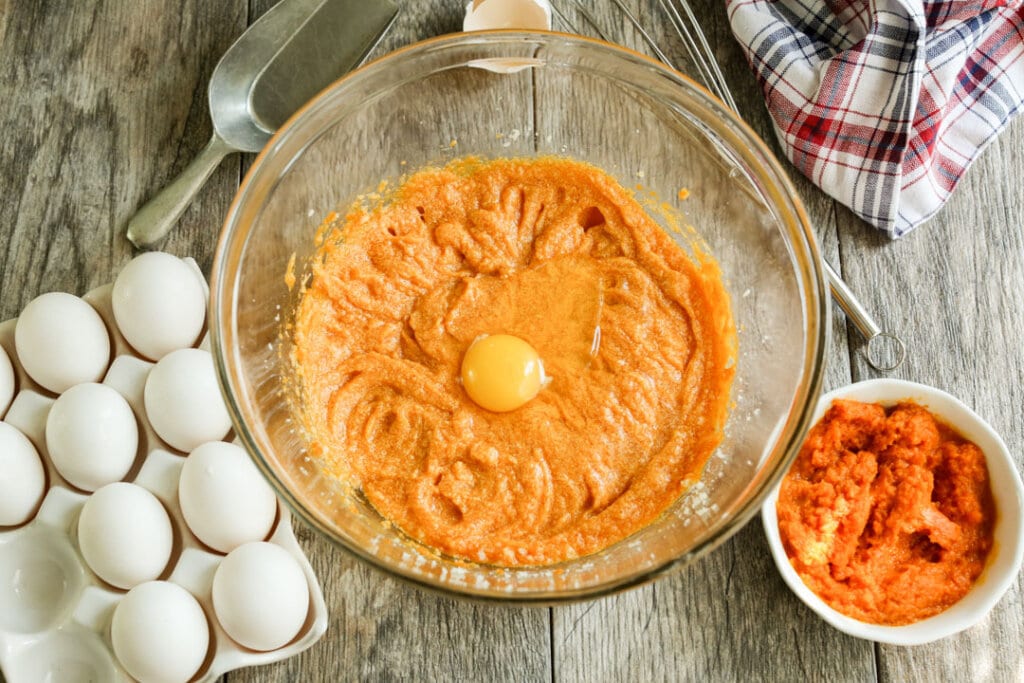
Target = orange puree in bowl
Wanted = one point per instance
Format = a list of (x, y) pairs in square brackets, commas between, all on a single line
[(887, 514), (636, 339)]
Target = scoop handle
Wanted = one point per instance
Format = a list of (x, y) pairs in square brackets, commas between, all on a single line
[(157, 216), (885, 351)]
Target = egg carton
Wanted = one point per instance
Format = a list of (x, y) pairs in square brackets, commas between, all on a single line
[(55, 613)]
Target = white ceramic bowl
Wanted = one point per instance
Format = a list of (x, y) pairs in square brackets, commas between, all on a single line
[(1005, 558)]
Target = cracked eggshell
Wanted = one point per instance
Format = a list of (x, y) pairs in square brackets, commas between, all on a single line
[(485, 15)]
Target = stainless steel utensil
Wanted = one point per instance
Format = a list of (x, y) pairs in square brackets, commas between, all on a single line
[(883, 351), (285, 58)]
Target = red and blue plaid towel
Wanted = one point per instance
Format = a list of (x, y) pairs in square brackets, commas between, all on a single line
[(884, 104)]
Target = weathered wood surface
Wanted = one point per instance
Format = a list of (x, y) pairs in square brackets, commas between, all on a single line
[(102, 103)]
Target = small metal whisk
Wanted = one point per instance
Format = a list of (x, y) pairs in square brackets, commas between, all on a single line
[(884, 351)]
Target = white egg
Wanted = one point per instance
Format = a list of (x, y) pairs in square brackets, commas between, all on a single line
[(61, 341), (92, 436), (125, 535), (183, 400), (6, 382), (159, 304), (260, 596), (225, 500), (160, 633), (22, 477), (482, 15)]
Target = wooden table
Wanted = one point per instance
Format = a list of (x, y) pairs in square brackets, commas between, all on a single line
[(103, 103)]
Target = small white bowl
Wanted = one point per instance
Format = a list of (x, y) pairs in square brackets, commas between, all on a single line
[(1008, 549)]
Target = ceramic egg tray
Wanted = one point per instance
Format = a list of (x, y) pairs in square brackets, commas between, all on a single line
[(55, 613)]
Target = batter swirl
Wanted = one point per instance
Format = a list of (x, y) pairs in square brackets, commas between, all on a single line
[(636, 337)]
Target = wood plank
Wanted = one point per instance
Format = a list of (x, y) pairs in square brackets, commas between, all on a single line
[(729, 616), (381, 628)]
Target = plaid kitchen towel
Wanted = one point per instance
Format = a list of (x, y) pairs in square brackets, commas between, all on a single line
[(884, 104)]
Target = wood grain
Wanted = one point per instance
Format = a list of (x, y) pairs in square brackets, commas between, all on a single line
[(728, 617), (104, 102)]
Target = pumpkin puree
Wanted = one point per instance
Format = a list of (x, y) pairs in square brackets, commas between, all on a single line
[(887, 514), (636, 336)]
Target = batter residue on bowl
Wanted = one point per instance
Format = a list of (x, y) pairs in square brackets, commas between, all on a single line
[(636, 337)]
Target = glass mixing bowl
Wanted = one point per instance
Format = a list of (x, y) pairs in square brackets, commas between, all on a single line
[(506, 94)]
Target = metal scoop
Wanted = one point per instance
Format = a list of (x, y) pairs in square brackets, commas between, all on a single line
[(285, 58)]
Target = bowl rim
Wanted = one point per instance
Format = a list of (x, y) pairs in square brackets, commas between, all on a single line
[(1004, 561), (789, 433)]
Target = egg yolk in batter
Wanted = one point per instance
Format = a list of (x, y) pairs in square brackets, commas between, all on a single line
[(501, 372)]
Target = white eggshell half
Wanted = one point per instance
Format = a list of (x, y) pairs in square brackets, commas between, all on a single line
[(260, 596), (92, 436), (160, 633), (183, 400), (61, 341), (22, 477), (530, 15), (159, 304), (125, 535), (225, 500)]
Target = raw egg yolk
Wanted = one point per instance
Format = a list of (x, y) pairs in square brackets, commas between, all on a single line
[(501, 372)]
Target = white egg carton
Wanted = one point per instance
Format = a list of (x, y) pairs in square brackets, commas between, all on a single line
[(55, 613)]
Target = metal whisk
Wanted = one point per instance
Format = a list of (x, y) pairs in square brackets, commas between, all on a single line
[(884, 351)]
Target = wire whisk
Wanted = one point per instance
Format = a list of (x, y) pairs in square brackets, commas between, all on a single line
[(696, 44), (684, 23)]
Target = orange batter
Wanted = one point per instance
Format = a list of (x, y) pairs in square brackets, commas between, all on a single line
[(887, 515), (637, 343)]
